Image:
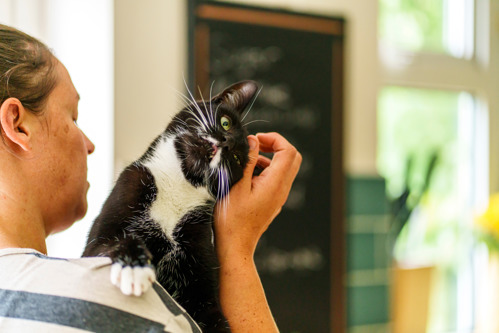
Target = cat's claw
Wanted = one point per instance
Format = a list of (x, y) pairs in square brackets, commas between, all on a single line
[(132, 280)]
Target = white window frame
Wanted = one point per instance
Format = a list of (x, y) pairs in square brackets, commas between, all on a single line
[(478, 75)]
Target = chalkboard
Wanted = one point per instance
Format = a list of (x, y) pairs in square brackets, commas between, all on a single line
[(298, 62)]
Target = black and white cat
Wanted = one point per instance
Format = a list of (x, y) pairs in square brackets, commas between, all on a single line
[(160, 212)]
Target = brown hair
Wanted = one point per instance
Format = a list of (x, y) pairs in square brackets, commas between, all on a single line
[(26, 69)]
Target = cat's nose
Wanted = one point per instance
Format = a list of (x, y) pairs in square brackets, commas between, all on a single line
[(229, 142)]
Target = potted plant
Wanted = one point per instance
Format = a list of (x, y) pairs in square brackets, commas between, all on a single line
[(411, 283)]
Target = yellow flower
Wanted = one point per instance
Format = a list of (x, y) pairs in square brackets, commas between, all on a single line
[(489, 221)]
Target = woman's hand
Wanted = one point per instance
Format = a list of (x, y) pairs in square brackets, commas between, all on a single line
[(254, 202)]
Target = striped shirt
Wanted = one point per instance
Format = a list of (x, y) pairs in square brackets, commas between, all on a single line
[(44, 294)]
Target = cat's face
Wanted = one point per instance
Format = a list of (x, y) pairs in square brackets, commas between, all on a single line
[(211, 139)]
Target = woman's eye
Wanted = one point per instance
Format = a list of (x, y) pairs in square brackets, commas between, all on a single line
[(237, 159), (225, 122)]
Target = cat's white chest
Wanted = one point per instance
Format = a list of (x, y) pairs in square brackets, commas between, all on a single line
[(176, 196)]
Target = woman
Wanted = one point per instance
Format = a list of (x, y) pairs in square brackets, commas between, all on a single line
[(43, 190)]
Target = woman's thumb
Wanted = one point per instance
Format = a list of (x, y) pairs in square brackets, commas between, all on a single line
[(252, 155)]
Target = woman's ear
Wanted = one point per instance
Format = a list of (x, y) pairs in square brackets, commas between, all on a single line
[(14, 124)]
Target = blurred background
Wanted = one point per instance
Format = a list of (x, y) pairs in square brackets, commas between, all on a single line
[(420, 139)]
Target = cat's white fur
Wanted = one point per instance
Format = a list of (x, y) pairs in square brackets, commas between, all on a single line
[(136, 280), (175, 197), (215, 161)]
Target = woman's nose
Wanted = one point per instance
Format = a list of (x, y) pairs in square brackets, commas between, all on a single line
[(89, 144)]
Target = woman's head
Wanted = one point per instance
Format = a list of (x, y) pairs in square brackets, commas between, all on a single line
[(45, 155), (61, 151), (26, 69)]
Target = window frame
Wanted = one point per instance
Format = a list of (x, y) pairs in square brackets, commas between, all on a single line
[(479, 76)]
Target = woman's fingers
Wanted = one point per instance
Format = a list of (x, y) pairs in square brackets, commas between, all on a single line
[(253, 160), (263, 162), (286, 160)]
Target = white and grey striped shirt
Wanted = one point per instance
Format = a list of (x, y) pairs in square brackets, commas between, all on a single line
[(44, 294)]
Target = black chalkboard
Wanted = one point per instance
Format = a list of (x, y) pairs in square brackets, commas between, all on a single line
[(297, 60)]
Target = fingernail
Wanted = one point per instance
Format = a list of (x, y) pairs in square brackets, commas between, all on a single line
[(252, 143)]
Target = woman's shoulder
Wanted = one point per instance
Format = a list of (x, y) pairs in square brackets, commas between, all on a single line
[(30, 268), (79, 292)]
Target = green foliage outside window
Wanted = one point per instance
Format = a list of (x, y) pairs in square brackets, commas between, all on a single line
[(416, 127), (412, 25)]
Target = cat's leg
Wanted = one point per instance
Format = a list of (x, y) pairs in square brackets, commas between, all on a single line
[(193, 282), (131, 270)]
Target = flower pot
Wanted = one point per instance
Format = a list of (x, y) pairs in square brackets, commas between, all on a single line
[(410, 295)]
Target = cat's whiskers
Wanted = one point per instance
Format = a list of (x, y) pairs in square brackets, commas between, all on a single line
[(199, 121), (227, 188), (255, 121), (205, 122), (189, 109), (206, 108), (181, 125), (202, 118), (196, 106), (211, 108), (216, 110), (220, 197), (188, 103), (253, 102), (183, 98), (224, 188), (225, 204), (219, 188)]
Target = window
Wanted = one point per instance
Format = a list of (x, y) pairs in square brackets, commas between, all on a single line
[(419, 128), (432, 108), (429, 26)]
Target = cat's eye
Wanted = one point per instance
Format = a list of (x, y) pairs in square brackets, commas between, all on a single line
[(237, 159), (225, 122)]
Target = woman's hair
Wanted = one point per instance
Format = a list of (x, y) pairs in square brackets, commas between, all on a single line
[(26, 69)]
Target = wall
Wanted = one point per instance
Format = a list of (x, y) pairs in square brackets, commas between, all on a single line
[(151, 58), (150, 62)]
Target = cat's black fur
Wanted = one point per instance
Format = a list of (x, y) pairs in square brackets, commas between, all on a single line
[(185, 261)]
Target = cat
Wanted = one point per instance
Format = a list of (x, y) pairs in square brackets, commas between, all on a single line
[(160, 211)]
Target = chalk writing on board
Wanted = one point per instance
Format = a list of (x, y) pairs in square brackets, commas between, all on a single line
[(296, 197), (244, 61), (277, 95), (276, 261)]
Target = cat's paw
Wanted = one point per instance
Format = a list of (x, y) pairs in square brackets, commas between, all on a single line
[(132, 280)]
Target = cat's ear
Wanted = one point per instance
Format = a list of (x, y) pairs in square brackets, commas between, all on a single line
[(238, 95)]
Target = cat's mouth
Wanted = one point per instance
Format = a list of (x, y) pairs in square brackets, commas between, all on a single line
[(214, 149), (211, 147)]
